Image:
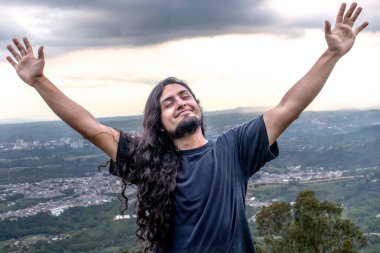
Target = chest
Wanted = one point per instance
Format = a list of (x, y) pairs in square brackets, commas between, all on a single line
[(206, 177), (195, 177)]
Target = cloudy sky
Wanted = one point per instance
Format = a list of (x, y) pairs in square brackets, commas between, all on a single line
[(107, 55)]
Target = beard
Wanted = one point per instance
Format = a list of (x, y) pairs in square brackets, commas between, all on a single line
[(188, 126)]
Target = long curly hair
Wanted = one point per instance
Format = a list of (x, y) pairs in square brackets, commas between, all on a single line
[(152, 164)]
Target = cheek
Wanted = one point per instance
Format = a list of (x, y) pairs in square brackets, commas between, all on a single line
[(165, 120), (197, 108)]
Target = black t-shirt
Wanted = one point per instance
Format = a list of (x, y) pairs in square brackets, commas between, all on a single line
[(209, 201)]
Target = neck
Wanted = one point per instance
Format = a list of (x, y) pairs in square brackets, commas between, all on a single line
[(195, 140)]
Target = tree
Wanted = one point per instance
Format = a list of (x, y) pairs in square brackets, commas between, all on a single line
[(310, 225)]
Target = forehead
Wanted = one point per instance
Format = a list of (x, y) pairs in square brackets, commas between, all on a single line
[(171, 90)]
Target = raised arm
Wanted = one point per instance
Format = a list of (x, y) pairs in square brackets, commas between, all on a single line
[(30, 70), (340, 40)]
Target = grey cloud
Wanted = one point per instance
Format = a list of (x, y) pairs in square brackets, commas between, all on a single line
[(100, 23), (147, 23), (83, 23)]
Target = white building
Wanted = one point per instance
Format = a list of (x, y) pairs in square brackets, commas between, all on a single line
[(59, 210), (122, 217)]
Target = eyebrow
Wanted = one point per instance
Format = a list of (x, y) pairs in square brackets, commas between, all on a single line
[(171, 97)]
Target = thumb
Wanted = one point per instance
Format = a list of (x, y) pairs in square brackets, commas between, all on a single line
[(41, 55), (327, 27)]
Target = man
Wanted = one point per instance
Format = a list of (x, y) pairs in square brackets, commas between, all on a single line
[(191, 191)]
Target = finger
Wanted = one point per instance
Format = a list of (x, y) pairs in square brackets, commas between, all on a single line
[(19, 46), (339, 17), (327, 27), (14, 53), (29, 48), (356, 15), (11, 61), (348, 15), (41, 55), (361, 27)]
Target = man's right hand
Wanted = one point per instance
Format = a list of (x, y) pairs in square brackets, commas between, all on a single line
[(28, 67)]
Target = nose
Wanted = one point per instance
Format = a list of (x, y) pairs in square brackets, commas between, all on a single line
[(180, 102)]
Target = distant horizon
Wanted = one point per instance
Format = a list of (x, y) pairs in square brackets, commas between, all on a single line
[(242, 109)]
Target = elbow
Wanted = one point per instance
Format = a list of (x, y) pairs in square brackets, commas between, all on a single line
[(91, 136), (292, 111), (86, 136), (296, 115)]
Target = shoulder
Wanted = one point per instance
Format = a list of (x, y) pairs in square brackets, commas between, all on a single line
[(252, 127), (128, 140), (125, 160)]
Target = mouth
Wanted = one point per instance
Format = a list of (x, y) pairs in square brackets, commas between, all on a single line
[(182, 113)]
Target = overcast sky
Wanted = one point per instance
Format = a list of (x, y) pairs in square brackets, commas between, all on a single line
[(107, 55)]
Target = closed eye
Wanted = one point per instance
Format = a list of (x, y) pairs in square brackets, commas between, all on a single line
[(167, 104)]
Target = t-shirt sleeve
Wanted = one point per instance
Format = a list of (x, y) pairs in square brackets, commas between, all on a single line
[(253, 146), (119, 167)]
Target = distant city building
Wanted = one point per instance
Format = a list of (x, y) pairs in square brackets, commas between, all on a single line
[(20, 142), (74, 144), (59, 210), (122, 217), (77, 144)]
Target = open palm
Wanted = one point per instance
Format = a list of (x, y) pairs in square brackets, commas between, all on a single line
[(28, 67), (341, 38)]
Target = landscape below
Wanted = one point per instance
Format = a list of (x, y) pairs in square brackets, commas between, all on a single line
[(54, 199)]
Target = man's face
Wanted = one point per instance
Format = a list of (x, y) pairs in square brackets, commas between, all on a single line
[(180, 113)]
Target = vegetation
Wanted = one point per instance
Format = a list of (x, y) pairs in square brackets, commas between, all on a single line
[(310, 225), (90, 229)]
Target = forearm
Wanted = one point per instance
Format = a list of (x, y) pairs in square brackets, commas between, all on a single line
[(69, 111), (308, 87)]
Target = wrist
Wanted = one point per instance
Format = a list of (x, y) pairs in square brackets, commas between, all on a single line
[(38, 81), (331, 57), (333, 54)]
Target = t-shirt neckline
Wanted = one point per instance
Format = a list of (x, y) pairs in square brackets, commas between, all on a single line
[(196, 150)]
